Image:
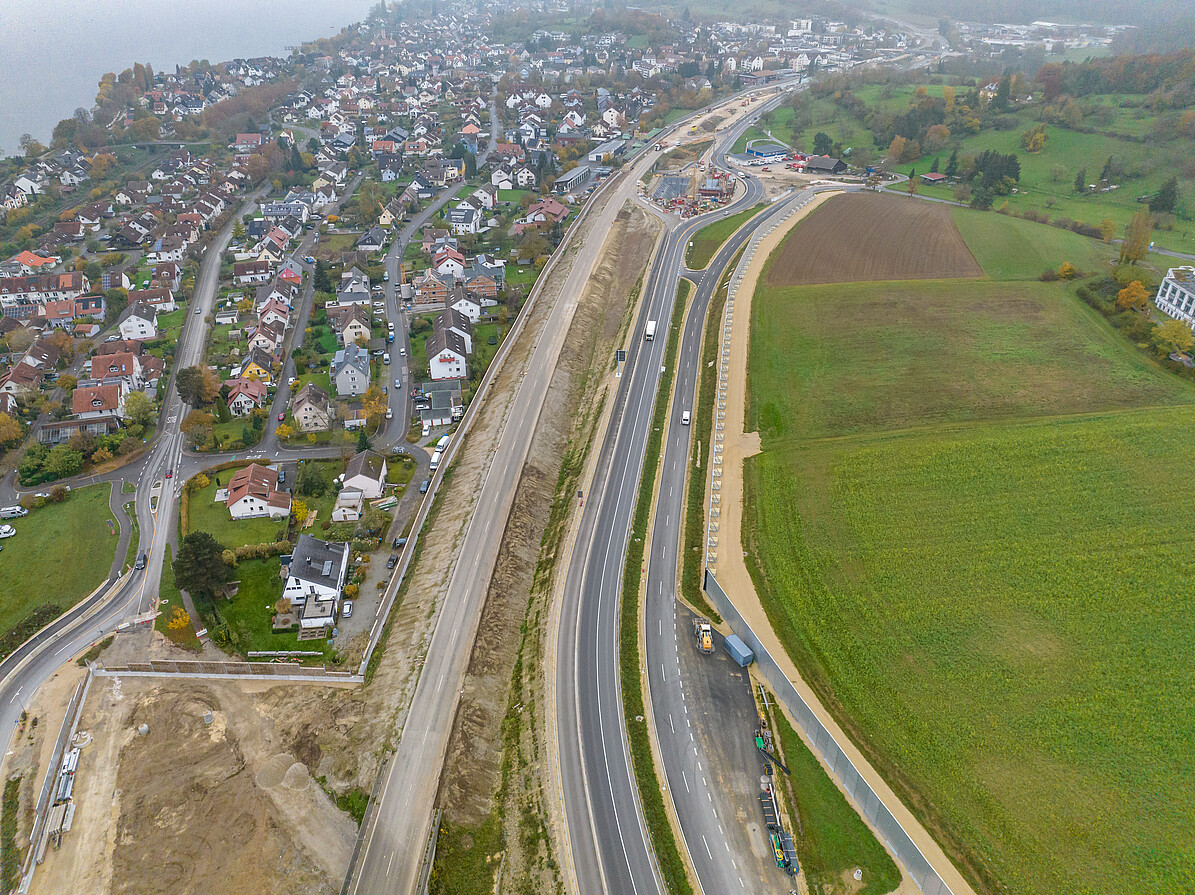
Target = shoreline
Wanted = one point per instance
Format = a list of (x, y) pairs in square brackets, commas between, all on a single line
[(50, 37)]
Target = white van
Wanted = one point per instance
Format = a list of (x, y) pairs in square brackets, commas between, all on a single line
[(684, 418)]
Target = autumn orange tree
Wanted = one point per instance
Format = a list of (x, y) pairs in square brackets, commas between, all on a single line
[(1133, 297)]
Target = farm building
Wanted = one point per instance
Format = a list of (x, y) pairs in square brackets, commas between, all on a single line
[(823, 164), (933, 177)]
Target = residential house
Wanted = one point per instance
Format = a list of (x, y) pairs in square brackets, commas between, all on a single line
[(372, 240), (160, 298), (350, 370), (366, 472), (245, 395), (138, 321), (245, 272), (352, 325), (253, 493), (464, 219), (96, 401), (257, 364), (315, 580), (446, 355), (312, 409), (460, 324)]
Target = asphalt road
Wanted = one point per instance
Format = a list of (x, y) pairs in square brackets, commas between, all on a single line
[(609, 842)]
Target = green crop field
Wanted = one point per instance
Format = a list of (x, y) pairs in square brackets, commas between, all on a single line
[(862, 357), (968, 528)]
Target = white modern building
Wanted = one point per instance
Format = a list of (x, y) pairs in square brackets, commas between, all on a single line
[(1176, 295)]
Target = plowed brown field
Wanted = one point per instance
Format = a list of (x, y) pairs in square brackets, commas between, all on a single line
[(870, 236)]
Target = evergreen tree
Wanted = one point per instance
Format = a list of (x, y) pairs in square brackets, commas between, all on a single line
[(199, 567), (1164, 201), (1081, 181), (933, 169), (363, 443), (952, 164), (1000, 102)]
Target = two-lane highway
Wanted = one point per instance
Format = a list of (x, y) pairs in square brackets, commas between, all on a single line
[(608, 839)]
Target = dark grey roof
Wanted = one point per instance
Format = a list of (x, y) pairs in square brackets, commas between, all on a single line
[(313, 556)]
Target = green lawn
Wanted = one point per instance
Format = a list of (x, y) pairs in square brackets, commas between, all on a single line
[(516, 196), (171, 599), (1009, 248), (249, 614), (965, 528), (483, 351), (709, 239), (207, 515), (32, 571), (321, 380), (830, 837)]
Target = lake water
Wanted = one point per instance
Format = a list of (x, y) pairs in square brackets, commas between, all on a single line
[(56, 50)]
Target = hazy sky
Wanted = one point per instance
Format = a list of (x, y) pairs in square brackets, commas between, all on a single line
[(56, 50)]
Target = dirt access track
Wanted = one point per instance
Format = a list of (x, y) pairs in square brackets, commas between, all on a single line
[(886, 238), (191, 807)]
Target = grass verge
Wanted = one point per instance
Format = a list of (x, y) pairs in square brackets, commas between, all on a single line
[(94, 653), (672, 866), (10, 854), (130, 553), (709, 239), (693, 546), (168, 592), (830, 836)]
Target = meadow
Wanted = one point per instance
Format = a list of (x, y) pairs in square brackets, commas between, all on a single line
[(77, 528), (967, 529), (1117, 126)]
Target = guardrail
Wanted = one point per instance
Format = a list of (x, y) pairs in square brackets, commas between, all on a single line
[(866, 800)]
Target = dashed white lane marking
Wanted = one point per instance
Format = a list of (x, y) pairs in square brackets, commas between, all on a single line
[(686, 779), (707, 848), (670, 724)]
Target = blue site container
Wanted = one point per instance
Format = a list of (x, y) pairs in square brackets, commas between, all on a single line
[(738, 650)]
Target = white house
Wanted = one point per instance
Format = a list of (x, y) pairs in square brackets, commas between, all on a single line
[(445, 354), (464, 219), (366, 473), (253, 493), (139, 321), (315, 580)]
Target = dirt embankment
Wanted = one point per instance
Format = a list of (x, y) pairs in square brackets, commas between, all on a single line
[(512, 627), (196, 807)]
